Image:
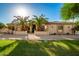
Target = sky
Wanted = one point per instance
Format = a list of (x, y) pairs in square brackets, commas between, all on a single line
[(50, 10)]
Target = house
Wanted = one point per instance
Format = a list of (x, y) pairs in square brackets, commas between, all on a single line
[(59, 27), (54, 27)]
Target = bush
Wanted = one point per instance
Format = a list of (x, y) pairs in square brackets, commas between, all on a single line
[(67, 33), (52, 33)]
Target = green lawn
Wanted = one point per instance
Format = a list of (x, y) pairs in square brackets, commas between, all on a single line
[(39, 48)]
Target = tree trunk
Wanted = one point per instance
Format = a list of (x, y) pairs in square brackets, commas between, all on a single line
[(73, 31)]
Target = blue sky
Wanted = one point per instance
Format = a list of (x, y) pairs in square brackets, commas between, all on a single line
[(50, 10)]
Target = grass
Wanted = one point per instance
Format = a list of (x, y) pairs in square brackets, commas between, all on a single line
[(39, 48)]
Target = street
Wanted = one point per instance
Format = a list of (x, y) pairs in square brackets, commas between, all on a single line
[(38, 37)]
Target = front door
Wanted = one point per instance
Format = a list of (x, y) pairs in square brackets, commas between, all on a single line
[(33, 28)]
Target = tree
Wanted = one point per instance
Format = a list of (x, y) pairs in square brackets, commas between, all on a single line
[(77, 23), (22, 21), (40, 20), (70, 11), (30, 24), (2, 25), (76, 28), (10, 26)]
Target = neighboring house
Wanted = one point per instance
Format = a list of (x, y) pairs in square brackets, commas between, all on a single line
[(59, 27)]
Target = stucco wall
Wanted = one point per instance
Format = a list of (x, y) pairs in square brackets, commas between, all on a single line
[(52, 28), (67, 29)]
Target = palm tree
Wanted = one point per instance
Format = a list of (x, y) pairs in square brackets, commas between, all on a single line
[(40, 20), (22, 21), (31, 23)]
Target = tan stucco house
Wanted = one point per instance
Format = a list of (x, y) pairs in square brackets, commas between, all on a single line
[(59, 27), (55, 27)]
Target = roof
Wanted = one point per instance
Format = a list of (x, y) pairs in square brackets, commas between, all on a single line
[(60, 23)]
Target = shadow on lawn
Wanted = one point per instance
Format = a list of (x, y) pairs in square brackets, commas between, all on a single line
[(28, 48), (7, 46), (64, 47), (42, 48)]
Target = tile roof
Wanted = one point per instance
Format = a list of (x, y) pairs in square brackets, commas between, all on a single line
[(63, 23)]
